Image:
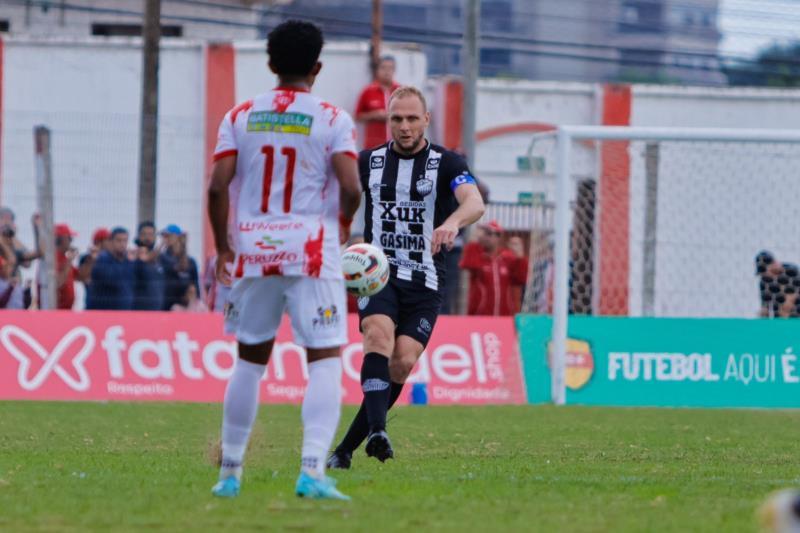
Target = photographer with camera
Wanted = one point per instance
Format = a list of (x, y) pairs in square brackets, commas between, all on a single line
[(8, 231)]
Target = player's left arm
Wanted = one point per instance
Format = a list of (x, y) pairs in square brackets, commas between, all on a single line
[(470, 209)]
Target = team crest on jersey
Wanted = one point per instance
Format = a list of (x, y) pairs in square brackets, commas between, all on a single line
[(424, 186), (376, 161), (433, 164)]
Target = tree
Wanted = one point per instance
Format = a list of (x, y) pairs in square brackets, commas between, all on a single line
[(775, 66)]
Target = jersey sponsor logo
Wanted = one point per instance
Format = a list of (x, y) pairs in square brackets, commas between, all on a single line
[(424, 186), (266, 242), (403, 211), (405, 263), (260, 121), (394, 241), (326, 317), (363, 302), (246, 227), (376, 161), (432, 164), (268, 259)]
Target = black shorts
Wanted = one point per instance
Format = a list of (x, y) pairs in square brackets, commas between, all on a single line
[(413, 308)]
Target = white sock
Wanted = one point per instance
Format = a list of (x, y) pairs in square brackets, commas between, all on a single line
[(239, 413), (321, 409)]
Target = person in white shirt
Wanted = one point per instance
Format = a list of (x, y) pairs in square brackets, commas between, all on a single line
[(294, 159)]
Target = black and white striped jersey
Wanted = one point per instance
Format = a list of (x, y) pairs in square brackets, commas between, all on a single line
[(406, 198)]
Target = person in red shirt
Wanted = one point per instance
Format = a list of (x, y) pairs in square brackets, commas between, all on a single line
[(66, 273), (494, 272), (373, 101)]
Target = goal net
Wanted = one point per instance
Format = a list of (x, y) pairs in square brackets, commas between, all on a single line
[(667, 223)]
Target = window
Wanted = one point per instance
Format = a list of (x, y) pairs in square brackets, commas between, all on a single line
[(496, 15), (641, 16), (132, 30), (495, 61), (5, 26)]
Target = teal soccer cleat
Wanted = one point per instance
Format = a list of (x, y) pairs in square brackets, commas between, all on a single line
[(318, 489), (226, 488)]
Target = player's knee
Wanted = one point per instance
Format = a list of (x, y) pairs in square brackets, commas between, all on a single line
[(378, 339), (400, 368)]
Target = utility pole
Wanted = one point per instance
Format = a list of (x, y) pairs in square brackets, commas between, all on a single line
[(377, 34), (471, 62), (148, 142)]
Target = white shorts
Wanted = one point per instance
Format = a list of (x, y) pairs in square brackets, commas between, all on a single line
[(317, 309)]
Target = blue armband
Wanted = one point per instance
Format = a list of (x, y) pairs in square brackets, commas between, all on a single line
[(461, 180)]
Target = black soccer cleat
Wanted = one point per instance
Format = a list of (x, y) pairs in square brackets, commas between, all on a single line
[(340, 460), (379, 446)]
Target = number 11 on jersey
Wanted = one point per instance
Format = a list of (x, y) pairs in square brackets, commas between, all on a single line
[(269, 163)]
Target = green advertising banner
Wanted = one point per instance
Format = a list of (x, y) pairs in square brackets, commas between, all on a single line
[(668, 361)]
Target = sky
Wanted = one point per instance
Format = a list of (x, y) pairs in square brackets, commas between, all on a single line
[(748, 25)]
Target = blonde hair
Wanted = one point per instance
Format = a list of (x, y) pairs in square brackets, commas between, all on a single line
[(407, 91)]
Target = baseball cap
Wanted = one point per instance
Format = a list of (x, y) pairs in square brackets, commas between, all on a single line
[(63, 230), (172, 229), (100, 234), (494, 226)]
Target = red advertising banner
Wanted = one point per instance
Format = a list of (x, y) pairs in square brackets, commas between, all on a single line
[(135, 356)]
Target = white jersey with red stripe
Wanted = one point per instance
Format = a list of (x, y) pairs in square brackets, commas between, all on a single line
[(286, 217)]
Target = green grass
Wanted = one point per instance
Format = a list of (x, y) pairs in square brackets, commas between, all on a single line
[(94, 466)]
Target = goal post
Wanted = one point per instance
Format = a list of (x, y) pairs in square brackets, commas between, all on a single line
[(666, 207)]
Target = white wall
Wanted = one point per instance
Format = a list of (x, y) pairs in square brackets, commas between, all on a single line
[(718, 203), (502, 102), (88, 92)]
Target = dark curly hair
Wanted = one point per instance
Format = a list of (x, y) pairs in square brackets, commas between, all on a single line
[(294, 47)]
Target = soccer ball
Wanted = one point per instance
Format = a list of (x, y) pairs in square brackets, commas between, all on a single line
[(365, 268), (780, 513)]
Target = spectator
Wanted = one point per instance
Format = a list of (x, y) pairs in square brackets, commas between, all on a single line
[(180, 270), (11, 294), (112, 280), (66, 273), (8, 231), (373, 102), (773, 283), (190, 302), (493, 271), (148, 292), (101, 240)]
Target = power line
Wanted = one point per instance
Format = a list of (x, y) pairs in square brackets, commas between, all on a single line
[(436, 37)]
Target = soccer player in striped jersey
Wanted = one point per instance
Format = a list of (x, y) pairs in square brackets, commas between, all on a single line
[(418, 196)]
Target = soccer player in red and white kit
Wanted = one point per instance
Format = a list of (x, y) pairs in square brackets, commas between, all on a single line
[(294, 159)]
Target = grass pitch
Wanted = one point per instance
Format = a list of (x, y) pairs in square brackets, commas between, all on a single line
[(94, 466)]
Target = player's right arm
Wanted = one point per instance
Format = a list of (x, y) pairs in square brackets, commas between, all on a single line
[(222, 173), (346, 169), (345, 166)]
